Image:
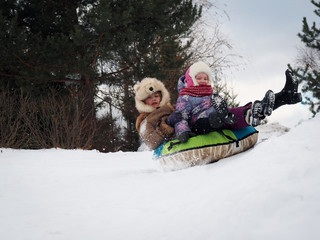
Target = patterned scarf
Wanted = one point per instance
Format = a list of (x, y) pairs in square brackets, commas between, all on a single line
[(197, 91)]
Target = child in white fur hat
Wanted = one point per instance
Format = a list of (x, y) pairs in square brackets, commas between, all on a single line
[(153, 103)]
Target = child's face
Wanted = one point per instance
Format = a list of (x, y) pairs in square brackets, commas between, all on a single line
[(154, 99), (202, 79)]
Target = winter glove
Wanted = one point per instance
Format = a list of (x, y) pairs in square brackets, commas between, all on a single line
[(174, 118), (184, 137)]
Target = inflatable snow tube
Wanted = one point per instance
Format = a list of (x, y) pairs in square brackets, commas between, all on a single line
[(204, 149)]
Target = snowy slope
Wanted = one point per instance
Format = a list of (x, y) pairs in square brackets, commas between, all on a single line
[(269, 192)]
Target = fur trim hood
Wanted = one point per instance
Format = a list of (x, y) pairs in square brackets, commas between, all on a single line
[(147, 87), (196, 68)]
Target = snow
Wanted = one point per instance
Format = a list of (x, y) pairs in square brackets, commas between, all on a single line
[(269, 192)]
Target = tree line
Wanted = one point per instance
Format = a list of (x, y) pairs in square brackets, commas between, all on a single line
[(56, 54)]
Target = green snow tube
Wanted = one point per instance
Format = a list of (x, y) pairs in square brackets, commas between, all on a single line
[(204, 149)]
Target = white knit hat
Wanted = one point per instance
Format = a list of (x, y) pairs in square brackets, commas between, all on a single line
[(194, 69)]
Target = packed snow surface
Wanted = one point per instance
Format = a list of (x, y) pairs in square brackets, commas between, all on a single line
[(269, 192)]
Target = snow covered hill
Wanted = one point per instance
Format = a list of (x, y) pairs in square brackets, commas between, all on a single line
[(269, 192)]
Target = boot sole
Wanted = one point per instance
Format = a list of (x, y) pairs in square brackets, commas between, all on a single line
[(268, 103), (222, 110), (256, 110)]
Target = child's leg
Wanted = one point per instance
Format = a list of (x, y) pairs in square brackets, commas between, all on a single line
[(209, 124), (213, 122), (262, 109), (289, 94), (222, 110), (240, 113)]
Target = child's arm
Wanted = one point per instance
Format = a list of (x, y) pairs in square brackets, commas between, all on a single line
[(183, 110), (154, 130), (174, 118)]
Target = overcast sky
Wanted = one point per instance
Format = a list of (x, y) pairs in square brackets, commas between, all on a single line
[(265, 32)]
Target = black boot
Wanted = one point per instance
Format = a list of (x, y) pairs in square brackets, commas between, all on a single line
[(215, 121), (222, 109), (262, 109), (289, 94), (209, 124)]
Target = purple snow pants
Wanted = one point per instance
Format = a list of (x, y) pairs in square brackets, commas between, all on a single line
[(240, 113)]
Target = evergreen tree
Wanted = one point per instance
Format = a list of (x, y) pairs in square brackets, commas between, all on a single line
[(158, 34), (43, 46), (308, 69)]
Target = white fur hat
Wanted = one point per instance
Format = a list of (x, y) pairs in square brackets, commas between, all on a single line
[(147, 87), (196, 68)]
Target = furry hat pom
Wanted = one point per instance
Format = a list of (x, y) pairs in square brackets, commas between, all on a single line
[(145, 88), (194, 69)]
